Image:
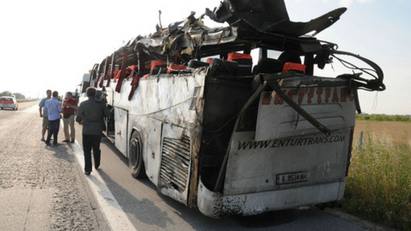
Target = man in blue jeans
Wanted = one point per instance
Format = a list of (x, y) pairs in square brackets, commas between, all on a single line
[(53, 108), (91, 113)]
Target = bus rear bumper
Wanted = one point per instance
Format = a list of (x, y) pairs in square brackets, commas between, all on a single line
[(214, 204)]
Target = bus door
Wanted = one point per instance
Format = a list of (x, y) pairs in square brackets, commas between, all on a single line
[(121, 122)]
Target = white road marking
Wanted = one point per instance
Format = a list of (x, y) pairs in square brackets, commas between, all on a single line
[(115, 215)]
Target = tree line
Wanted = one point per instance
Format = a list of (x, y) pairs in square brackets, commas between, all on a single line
[(8, 93), (378, 117)]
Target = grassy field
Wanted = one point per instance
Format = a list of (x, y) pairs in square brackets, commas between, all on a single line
[(391, 131), (379, 180)]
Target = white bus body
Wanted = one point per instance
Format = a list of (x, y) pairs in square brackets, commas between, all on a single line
[(230, 143)]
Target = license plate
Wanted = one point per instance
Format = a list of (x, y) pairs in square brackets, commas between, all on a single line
[(289, 178)]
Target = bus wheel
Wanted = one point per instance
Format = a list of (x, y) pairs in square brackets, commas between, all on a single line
[(135, 157)]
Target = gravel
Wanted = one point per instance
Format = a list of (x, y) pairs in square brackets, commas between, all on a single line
[(27, 163)]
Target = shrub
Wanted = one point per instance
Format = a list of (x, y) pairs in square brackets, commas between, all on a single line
[(379, 182)]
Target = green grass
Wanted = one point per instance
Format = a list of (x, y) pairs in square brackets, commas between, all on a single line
[(379, 182)]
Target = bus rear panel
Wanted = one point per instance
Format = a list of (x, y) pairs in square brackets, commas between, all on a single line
[(276, 159)]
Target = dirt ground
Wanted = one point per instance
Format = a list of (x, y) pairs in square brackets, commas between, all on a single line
[(41, 187), (395, 131)]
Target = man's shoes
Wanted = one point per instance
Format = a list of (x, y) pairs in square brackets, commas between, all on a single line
[(47, 143), (42, 139), (66, 140), (87, 173), (96, 167), (72, 141)]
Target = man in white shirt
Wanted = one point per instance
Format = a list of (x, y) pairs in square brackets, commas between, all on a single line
[(53, 107)]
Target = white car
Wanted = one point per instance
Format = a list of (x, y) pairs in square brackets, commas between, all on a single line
[(8, 102)]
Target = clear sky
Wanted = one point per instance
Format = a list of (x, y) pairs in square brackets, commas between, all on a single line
[(49, 44)]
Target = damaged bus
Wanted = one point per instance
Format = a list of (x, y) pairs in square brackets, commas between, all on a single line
[(217, 132)]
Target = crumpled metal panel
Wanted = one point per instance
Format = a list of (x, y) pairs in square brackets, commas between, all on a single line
[(330, 101), (216, 205), (165, 98), (175, 161), (271, 16)]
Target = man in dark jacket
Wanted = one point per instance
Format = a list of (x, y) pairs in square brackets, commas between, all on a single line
[(90, 113)]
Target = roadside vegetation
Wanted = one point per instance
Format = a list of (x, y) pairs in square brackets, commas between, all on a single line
[(8, 93), (377, 117), (379, 180)]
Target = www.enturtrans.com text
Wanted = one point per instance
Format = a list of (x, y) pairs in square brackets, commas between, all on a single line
[(289, 142)]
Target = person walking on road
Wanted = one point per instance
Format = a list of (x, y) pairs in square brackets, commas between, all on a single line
[(43, 114), (69, 107), (90, 113), (54, 109)]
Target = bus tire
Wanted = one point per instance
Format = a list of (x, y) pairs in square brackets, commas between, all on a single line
[(135, 157)]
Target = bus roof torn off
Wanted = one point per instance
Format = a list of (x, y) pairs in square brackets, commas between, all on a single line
[(214, 131)]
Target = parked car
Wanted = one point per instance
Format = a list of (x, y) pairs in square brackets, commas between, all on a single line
[(8, 102)]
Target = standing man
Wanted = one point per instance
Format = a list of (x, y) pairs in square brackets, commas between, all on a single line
[(90, 114), (69, 106), (43, 113), (53, 108)]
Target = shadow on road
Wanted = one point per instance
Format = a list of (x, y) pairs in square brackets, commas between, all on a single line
[(143, 209), (268, 219), (61, 151), (113, 149), (147, 212), (154, 217), (8, 110)]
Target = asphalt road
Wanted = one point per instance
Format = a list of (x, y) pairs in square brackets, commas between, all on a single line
[(60, 197), (41, 187)]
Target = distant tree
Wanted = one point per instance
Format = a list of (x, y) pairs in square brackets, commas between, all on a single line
[(386, 118), (377, 117), (19, 96), (396, 118), (5, 93)]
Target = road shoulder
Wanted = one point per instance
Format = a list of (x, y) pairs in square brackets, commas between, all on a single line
[(366, 224)]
